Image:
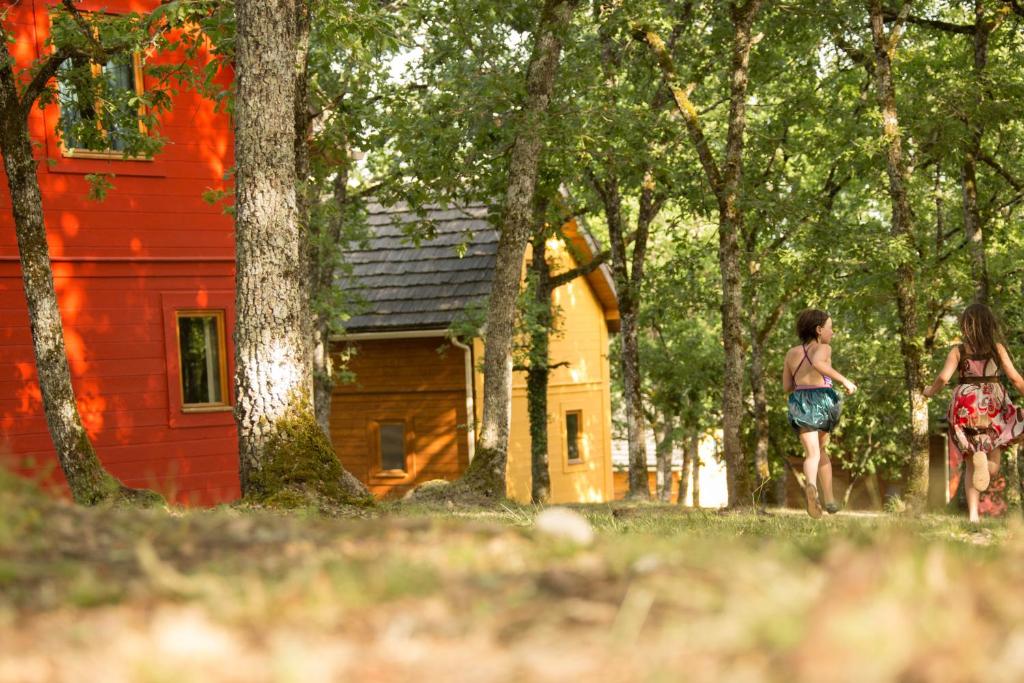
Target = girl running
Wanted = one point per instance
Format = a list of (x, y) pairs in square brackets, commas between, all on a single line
[(982, 420), (814, 405)]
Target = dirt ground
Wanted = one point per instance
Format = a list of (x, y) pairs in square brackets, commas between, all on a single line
[(430, 592)]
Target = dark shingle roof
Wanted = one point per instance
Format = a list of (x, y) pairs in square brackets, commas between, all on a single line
[(408, 286)]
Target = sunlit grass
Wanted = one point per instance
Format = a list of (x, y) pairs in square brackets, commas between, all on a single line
[(432, 592)]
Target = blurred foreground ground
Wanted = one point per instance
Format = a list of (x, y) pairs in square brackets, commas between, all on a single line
[(415, 593)]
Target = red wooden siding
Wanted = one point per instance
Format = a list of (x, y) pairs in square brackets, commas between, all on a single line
[(122, 266), (403, 380)]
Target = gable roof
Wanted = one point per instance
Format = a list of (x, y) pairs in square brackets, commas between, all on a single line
[(409, 287)]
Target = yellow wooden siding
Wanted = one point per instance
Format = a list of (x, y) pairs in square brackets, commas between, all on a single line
[(585, 386)]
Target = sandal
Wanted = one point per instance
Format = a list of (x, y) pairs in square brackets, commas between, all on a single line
[(981, 477), (813, 506), (831, 508)]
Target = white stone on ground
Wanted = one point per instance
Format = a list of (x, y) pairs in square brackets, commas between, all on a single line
[(565, 524)]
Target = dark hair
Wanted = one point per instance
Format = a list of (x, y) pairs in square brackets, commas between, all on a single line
[(980, 329), (808, 322)]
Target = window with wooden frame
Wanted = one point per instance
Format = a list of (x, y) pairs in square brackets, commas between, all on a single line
[(202, 360), (574, 436), (106, 101), (391, 449)]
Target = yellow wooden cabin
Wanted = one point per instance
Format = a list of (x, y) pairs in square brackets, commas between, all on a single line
[(404, 420)]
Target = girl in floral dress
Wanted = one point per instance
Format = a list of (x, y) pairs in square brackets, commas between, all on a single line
[(982, 420)]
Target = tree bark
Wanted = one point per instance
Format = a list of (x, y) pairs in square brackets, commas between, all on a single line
[(974, 232), (729, 228), (686, 471), (663, 451), (281, 446), (726, 183), (486, 474), (761, 426), (539, 373), (901, 229), (695, 454), (88, 481)]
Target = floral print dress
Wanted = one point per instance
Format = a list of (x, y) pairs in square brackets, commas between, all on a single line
[(981, 416)]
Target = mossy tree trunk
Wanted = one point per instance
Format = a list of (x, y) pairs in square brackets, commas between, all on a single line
[(486, 474), (280, 442), (725, 181), (538, 374), (884, 44), (88, 481)]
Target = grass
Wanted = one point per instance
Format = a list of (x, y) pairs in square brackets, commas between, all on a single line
[(423, 592)]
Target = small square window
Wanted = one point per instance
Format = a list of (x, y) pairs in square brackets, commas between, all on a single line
[(574, 436), (392, 447), (202, 359)]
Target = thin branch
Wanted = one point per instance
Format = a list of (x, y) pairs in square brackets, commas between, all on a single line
[(890, 15), (38, 83), (681, 96), (590, 266), (998, 168)]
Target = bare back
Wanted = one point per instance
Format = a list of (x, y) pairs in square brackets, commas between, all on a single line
[(799, 365)]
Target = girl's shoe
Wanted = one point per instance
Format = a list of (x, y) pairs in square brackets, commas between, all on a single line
[(813, 506), (831, 508), (981, 477)]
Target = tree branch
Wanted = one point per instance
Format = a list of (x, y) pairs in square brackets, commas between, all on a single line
[(568, 276), (38, 83), (681, 96), (890, 15)]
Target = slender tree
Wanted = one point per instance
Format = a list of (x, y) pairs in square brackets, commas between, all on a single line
[(486, 473), (725, 180), (76, 40)]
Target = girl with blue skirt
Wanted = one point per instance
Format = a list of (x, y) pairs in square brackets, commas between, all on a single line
[(814, 406)]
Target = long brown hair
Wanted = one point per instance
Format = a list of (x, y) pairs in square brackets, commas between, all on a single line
[(980, 330)]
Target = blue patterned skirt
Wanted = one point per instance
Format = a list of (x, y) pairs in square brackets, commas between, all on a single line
[(814, 409)]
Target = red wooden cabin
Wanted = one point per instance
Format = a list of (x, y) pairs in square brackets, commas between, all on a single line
[(145, 282)]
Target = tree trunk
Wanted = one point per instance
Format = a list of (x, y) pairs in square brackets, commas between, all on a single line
[(761, 426), (280, 444), (730, 226), (686, 472), (974, 232), (906, 299), (725, 183), (663, 453), (486, 474), (539, 373), (695, 451), (88, 481)]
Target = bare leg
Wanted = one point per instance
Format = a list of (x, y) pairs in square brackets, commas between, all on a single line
[(995, 458), (812, 456), (825, 469), (973, 495)]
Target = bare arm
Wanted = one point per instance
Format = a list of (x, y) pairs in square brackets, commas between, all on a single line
[(1011, 372), (952, 361), (821, 359)]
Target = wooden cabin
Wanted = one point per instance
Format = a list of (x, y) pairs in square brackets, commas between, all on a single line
[(409, 415), (145, 283)]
